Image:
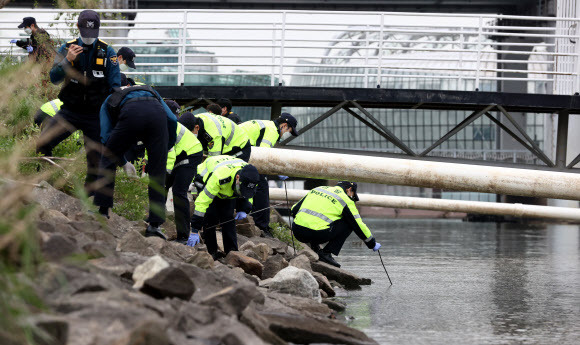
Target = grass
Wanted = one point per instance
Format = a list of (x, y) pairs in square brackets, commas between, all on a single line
[(282, 232)]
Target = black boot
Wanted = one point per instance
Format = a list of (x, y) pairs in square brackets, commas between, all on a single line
[(327, 257), (181, 240), (154, 231)]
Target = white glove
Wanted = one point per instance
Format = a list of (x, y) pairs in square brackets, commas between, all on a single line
[(130, 169)]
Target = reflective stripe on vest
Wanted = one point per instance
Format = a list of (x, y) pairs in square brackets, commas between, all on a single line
[(54, 106), (315, 214), (207, 192), (198, 213), (180, 135), (267, 142), (217, 124), (231, 134), (262, 125), (234, 161), (324, 191)]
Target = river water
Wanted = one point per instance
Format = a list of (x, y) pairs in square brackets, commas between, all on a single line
[(467, 283)]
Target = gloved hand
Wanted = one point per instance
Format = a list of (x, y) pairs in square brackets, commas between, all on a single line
[(193, 239), (282, 177), (241, 215), (13, 41), (377, 247), (130, 169), (29, 49)]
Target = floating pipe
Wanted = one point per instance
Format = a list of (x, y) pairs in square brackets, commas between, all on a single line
[(407, 172), (403, 202)]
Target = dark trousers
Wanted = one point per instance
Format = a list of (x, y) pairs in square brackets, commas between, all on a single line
[(335, 235), (179, 180), (241, 153), (61, 126), (144, 121), (220, 211), (260, 211)]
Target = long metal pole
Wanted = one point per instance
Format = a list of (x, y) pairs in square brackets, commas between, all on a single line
[(410, 172), (444, 205), (384, 267)]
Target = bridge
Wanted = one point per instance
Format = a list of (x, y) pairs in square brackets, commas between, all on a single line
[(512, 79)]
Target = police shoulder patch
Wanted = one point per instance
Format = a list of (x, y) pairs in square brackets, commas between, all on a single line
[(210, 145), (113, 60)]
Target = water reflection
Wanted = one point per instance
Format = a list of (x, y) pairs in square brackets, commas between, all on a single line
[(457, 283)]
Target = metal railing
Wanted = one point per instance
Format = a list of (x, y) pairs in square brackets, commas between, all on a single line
[(316, 48)]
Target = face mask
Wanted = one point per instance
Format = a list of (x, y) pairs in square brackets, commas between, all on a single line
[(285, 136), (88, 41), (123, 68), (28, 31)]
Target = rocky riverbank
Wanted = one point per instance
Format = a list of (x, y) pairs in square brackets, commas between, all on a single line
[(104, 283)]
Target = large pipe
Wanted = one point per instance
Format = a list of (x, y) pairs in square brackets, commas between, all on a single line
[(407, 172), (516, 210)]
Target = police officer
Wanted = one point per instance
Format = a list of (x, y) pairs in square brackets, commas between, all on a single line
[(226, 110), (130, 114), (126, 58), (264, 133), (39, 45), (328, 214), (89, 69), (182, 162), (219, 135), (223, 178)]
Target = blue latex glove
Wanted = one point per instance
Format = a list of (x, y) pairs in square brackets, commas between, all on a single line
[(241, 215), (377, 247), (13, 41), (282, 177), (193, 239), (29, 49)]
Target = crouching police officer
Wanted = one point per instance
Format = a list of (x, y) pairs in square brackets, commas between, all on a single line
[(182, 162), (131, 114), (223, 178), (264, 133), (219, 135), (328, 214), (89, 69)]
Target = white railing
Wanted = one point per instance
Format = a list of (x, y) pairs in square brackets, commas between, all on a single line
[(342, 49)]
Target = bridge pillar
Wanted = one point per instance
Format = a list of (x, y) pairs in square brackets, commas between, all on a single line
[(275, 110)]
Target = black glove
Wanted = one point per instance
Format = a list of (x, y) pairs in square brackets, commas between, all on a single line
[(371, 243), (196, 222)]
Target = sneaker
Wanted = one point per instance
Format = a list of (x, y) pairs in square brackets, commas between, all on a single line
[(154, 231), (327, 257)]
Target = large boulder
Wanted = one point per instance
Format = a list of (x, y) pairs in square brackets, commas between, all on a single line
[(273, 265), (261, 250), (297, 282), (56, 246), (311, 254), (50, 198), (301, 261), (249, 265), (134, 242), (171, 282), (348, 280), (324, 284), (234, 299)]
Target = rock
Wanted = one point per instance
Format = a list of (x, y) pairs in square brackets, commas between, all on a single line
[(323, 294), (201, 259), (234, 299), (324, 284), (297, 282), (301, 261), (276, 217), (168, 283), (50, 198), (119, 264), (265, 283), (97, 250), (250, 254), (156, 243), (95, 231), (276, 246), (345, 278), (273, 265), (289, 304), (312, 256), (49, 329), (56, 247), (226, 330), (146, 333), (49, 215), (148, 270), (207, 282), (301, 329), (334, 305), (246, 227), (251, 318), (249, 265), (261, 249), (134, 242)]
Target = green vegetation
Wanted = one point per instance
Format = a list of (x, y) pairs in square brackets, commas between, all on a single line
[(282, 232)]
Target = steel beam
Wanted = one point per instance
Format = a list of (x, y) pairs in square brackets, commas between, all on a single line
[(418, 173), (315, 122), (474, 116), (562, 139), (368, 124)]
